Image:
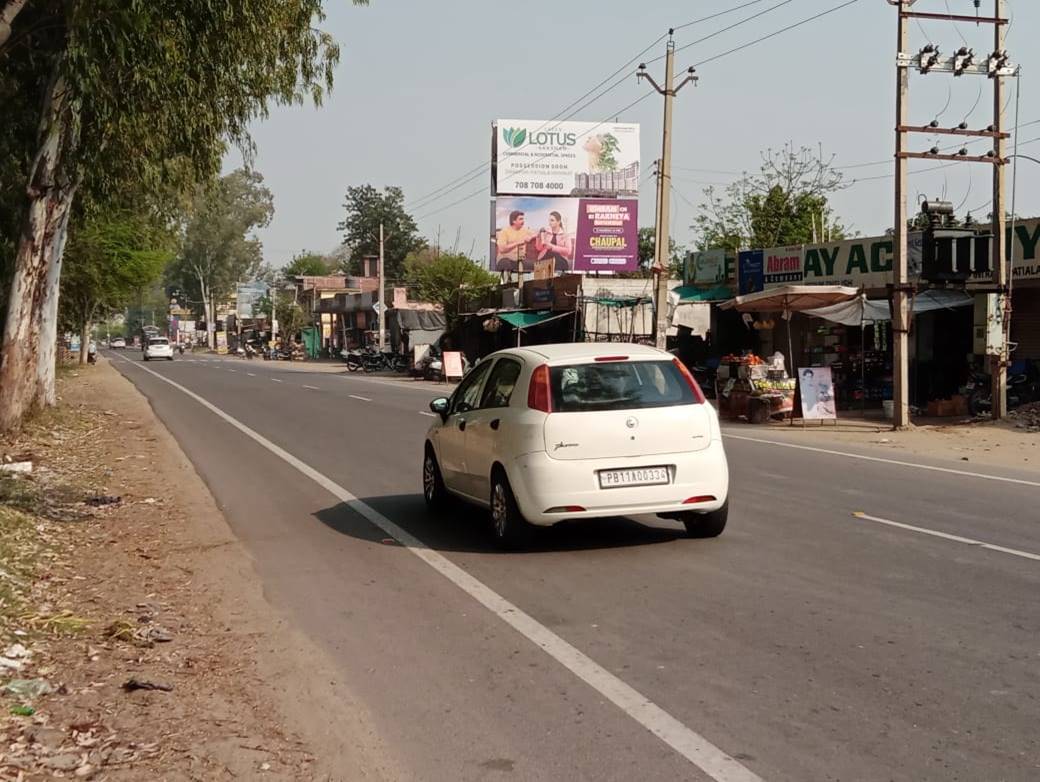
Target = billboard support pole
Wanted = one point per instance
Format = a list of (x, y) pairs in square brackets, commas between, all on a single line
[(664, 188)]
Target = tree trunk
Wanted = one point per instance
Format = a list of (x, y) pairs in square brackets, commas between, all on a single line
[(47, 358), (84, 343), (7, 14), (34, 285)]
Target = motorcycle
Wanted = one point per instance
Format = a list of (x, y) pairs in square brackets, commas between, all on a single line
[(1023, 387), (250, 351), (353, 359)]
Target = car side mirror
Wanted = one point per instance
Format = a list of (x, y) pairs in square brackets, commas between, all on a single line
[(440, 407)]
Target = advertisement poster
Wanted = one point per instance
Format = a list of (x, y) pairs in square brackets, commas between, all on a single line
[(452, 364), (221, 343), (816, 390), (576, 234), (539, 157), (248, 294)]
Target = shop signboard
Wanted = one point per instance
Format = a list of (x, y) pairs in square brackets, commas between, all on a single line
[(751, 271), (541, 157), (816, 391), (706, 268), (577, 234)]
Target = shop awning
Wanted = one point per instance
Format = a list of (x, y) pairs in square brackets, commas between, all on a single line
[(860, 310), (688, 293), (791, 298), (521, 320)]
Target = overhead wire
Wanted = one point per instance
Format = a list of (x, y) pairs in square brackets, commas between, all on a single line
[(454, 184), (714, 58)]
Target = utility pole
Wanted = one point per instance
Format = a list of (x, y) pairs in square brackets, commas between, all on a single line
[(664, 188), (900, 302), (963, 62), (382, 293), (999, 363)]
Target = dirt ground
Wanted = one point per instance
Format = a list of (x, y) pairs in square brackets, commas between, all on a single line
[(1014, 443), (124, 594)]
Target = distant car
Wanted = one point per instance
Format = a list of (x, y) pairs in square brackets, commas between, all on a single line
[(117, 342), (550, 433), (158, 347)]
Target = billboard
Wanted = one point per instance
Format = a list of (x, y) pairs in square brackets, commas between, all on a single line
[(536, 157), (706, 268), (248, 294), (576, 234)]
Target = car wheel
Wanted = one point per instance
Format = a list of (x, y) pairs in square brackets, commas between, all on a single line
[(146, 358), (706, 525), (510, 528), (434, 491), (169, 358)]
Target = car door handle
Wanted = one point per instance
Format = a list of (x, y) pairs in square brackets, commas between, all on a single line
[(495, 424)]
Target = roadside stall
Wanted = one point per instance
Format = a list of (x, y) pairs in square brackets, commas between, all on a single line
[(756, 389), (751, 387)]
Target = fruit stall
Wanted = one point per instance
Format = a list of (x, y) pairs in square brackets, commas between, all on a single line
[(749, 387)]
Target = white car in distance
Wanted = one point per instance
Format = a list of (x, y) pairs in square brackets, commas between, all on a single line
[(158, 347), (551, 433)]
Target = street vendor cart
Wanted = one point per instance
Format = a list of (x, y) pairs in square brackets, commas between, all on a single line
[(748, 387)]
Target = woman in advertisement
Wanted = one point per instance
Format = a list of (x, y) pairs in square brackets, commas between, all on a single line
[(553, 243)]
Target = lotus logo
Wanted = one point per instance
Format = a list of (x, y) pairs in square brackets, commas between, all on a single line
[(514, 137)]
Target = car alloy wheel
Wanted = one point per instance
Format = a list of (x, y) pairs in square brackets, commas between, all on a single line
[(434, 491), (499, 511), (428, 477)]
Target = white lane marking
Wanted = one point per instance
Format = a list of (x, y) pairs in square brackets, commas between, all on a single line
[(312, 388), (362, 398), (232, 370), (950, 470), (431, 415), (687, 742), (251, 374), (948, 536), (275, 380)]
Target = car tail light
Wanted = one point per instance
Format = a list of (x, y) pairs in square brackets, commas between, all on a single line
[(697, 393), (566, 509), (538, 396), (611, 358), (698, 500)]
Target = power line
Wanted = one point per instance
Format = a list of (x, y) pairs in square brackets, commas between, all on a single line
[(717, 15), (776, 33), (733, 26)]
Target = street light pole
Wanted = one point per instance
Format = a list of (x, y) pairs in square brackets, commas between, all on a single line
[(382, 293)]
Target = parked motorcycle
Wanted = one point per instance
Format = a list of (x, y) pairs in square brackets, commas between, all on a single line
[(353, 359), (1023, 387)]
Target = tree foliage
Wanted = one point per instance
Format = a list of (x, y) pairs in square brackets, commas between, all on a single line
[(366, 208), (442, 278), (787, 202), (307, 264), (220, 247), (112, 97), (648, 247), (108, 259), (290, 315)]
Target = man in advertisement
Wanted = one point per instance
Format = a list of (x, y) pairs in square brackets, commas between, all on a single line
[(511, 242)]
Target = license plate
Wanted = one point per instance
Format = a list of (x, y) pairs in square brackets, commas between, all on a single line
[(637, 476)]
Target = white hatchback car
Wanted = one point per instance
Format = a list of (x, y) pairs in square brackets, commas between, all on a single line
[(158, 347), (556, 432)]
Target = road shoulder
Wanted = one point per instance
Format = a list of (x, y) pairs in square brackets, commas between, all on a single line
[(149, 583)]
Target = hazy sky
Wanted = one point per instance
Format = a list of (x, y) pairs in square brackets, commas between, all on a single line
[(419, 84)]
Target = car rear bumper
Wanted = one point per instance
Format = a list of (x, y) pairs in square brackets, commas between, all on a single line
[(540, 483)]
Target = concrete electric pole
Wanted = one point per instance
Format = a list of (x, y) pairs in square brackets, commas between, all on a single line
[(664, 189), (900, 300)]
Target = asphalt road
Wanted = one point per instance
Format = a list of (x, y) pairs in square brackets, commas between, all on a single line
[(806, 643)]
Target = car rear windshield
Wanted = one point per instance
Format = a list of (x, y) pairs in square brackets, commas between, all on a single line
[(618, 385), (160, 341)]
